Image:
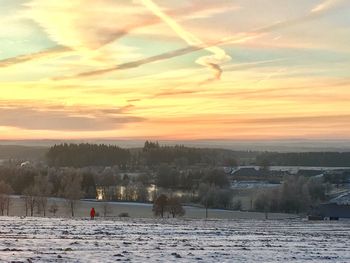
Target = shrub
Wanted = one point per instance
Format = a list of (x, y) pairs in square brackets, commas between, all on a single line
[(124, 214)]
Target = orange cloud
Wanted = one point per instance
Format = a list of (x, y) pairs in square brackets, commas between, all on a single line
[(60, 118)]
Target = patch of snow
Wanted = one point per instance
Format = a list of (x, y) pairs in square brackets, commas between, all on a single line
[(343, 199)]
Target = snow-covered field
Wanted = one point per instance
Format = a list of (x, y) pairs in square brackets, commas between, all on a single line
[(155, 240), (140, 210)]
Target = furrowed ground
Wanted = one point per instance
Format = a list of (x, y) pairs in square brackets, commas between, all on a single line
[(168, 240)]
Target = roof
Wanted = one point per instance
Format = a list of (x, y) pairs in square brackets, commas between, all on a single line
[(343, 199), (310, 172), (247, 171)]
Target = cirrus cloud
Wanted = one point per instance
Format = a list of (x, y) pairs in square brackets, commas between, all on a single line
[(61, 118)]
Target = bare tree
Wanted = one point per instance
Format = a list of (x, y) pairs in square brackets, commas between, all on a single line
[(42, 189), (106, 209), (71, 189), (174, 207), (141, 192), (53, 208), (5, 191), (30, 199), (237, 205), (130, 192), (160, 205), (206, 196)]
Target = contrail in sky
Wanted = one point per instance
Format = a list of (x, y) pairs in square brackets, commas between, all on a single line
[(156, 58), (182, 13), (213, 62), (316, 12), (51, 52), (326, 5), (198, 45)]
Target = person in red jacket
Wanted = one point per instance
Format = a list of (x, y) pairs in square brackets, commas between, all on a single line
[(92, 213)]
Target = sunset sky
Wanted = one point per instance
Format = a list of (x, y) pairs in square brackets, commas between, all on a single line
[(184, 69)]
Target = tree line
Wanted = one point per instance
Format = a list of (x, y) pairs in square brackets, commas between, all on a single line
[(297, 194), (85, 154), (320, 159), (36, 186), (151, 155), (209, 187)]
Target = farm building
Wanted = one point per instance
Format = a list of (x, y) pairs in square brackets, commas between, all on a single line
[(336, 208)]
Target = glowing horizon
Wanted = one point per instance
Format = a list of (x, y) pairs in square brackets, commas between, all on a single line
[(198, 69)]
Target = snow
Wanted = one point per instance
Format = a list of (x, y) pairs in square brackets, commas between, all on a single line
[(169, 240), (139, 210), (252, 185), (343, 199)]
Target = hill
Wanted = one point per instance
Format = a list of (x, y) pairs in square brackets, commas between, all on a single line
[(20, 152)]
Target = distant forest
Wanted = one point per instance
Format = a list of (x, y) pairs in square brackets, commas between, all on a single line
[(80, 155), (330, 159), (152, 154)]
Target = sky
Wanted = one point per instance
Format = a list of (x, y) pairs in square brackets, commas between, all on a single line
[(175, 70)]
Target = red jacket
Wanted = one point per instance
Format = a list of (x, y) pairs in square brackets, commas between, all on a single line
[(92, 212)]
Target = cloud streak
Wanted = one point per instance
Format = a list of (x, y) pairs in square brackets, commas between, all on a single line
[(326, 5), (103, 36), (133, 64), (48, 53), (153, 59), (314, 13), (90, 24), (213, 62), (157, 58), (59, 118), (240, 38), (282, 120)]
